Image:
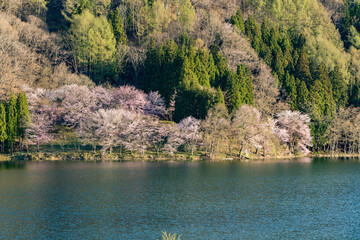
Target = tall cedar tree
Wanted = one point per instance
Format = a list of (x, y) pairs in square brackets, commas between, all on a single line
[(11, 122), (238, 21), (339, 87), (118, 27), (3, 133), (303, 68), (23, 116)]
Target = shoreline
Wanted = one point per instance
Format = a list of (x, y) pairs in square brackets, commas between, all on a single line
[(148, 157)]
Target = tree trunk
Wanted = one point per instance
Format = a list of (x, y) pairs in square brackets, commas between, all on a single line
[(120, 151), (230, 148), (264, 149), (241, 149)]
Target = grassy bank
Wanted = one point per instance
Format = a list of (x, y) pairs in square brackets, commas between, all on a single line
[(72, 152), (72, 155), (4, 157), (97, 156), (90, 156)]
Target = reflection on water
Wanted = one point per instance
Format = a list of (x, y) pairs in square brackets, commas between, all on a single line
[(12, 165), (289, 199)]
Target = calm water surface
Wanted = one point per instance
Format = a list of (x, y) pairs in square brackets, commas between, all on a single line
[(302, 199)]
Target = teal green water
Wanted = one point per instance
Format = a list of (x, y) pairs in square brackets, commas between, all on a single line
[(301, 199)]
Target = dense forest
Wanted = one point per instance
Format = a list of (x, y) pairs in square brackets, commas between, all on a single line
[(235, 78)]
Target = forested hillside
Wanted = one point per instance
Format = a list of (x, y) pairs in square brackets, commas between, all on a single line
[(274, 59)]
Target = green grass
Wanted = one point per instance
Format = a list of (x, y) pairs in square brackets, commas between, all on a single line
[(4, 157)]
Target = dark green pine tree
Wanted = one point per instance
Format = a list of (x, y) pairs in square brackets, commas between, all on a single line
[(321, 96), (300, 41), (266, 54), (191, 53), (200, 68), (193, 102), (212, 70), (118, 27), (290, 86), (302, 95), (240, 88), (238, 21), (278, 62), (11, 122), (234, 92), (3, 132), (295, 57), (152, 68), (303, 68), (247, 85), (287, 49), (219, 97), (222, 69), (329, 102), (354, 98), (253, 31), (250, 26), (274, 38), (188, 78), (346, 24), (172, 62), (23, 116), (317, 95), (265, 32), (339, 87)]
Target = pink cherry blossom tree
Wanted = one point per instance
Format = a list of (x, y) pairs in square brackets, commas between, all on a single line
[(38, 131), (76, 103), (297, 126), (128, 97), (190, 130), (174, 141), (156, 105), (102, 98), (246, 125)]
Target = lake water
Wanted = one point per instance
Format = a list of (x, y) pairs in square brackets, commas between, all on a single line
[(297, 199)]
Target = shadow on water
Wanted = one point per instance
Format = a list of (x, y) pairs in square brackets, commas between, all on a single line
[(335, 159), (12, 165)]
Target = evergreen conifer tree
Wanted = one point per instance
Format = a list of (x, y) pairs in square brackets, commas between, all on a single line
[(302, 95), (202, 72), (212, 70), (303, 68), (23, 116), (118, 27), (188, 78), (11, 122), (249, 88), (339, 87), (219, 97), (265, 32), (238, 21), (3, 132), (234, 92), (290, 86)]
